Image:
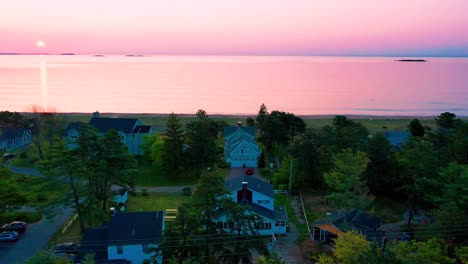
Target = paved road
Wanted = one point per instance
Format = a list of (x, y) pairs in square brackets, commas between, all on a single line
[(35, 238)]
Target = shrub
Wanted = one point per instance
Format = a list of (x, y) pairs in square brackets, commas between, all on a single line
[(41, 197), (144, 192), (23, 155)]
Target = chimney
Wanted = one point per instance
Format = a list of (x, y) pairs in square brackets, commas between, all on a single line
[(244, 191), (96, 114), (239, 123)]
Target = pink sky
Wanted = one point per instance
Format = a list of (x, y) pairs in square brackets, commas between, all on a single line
[(273, 27)]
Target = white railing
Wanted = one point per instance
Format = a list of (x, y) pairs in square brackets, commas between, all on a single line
[(64, 230)]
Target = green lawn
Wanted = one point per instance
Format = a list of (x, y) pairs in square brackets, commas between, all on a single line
[(283, 201), (25, 157), (154, 202)]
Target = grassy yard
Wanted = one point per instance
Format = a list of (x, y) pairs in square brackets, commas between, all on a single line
[(25, 157), (154, 202), (283, 201)]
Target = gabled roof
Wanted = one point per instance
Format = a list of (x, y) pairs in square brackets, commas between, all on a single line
[(253, 184), (74, 125), (95, 241), (246, 129), (260, 210), (397, 138), (135, 228), (141, 130), (104, 124), (12, 133)]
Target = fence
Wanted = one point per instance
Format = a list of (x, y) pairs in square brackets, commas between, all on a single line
[(64, 230)]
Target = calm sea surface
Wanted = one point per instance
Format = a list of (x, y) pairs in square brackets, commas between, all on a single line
[(235, 85)]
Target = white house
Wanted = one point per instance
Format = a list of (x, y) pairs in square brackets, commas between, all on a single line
[(128, 237), (240, 148), (131, 131), (12, 138), (260, 197)]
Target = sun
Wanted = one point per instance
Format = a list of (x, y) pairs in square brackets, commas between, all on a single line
[(40, 43)]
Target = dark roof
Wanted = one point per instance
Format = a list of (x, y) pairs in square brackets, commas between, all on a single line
[(280, 213), (231, 129), (355, 220), (95, 241), (253, 184), (141, 129), (135, 228), (397, 138), (74, 125), (104, 124), (12, 133), (265, 212)]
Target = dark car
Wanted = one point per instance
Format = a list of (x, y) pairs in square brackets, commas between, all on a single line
[(8, 236), (8, 156), (18, 226), (67, 248)]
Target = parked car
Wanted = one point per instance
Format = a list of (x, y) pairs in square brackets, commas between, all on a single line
[(67, 248), (18, 226), (249, 171), (9, 236), (8, 156)]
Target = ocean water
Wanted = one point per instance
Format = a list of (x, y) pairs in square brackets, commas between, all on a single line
[(235, 84)]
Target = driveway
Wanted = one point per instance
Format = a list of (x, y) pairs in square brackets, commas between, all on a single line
[(37, 235), (35, 238)]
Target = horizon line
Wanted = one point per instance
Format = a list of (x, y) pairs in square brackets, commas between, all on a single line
[(234, 55)]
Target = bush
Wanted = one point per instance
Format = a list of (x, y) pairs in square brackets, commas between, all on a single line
[(28, 217), (23, 155), (224, 165), (41, 197), (144, 192)]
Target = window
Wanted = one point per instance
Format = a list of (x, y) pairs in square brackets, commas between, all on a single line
[(242, 151), (280, 223), (146, 248), (119, 249), (263, 202), (263, 226)]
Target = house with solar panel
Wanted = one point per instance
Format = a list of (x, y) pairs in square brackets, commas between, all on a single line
[(259, 197), (131, 131), (240, 148)]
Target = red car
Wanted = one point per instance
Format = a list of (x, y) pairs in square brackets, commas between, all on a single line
[(249, 171)]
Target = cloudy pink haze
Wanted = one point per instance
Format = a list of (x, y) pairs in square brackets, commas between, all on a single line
[(260, 27)]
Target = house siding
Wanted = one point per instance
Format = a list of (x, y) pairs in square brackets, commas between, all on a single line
[(133, 253)]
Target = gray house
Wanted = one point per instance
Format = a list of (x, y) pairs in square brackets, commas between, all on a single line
[(131, 131), (14, 137), (240, 148)]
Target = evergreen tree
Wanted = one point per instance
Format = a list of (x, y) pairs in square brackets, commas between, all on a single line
[(415, 128), (173, 147), (261, 118)]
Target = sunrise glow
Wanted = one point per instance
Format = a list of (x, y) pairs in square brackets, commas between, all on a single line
[(40, 44), (264, 27)]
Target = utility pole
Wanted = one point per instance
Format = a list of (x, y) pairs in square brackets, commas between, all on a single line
[(290, 177)]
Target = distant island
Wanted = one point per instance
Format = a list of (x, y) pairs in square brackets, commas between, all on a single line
[(67, 54), (412, 60), (132, 55), (98, 55)]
